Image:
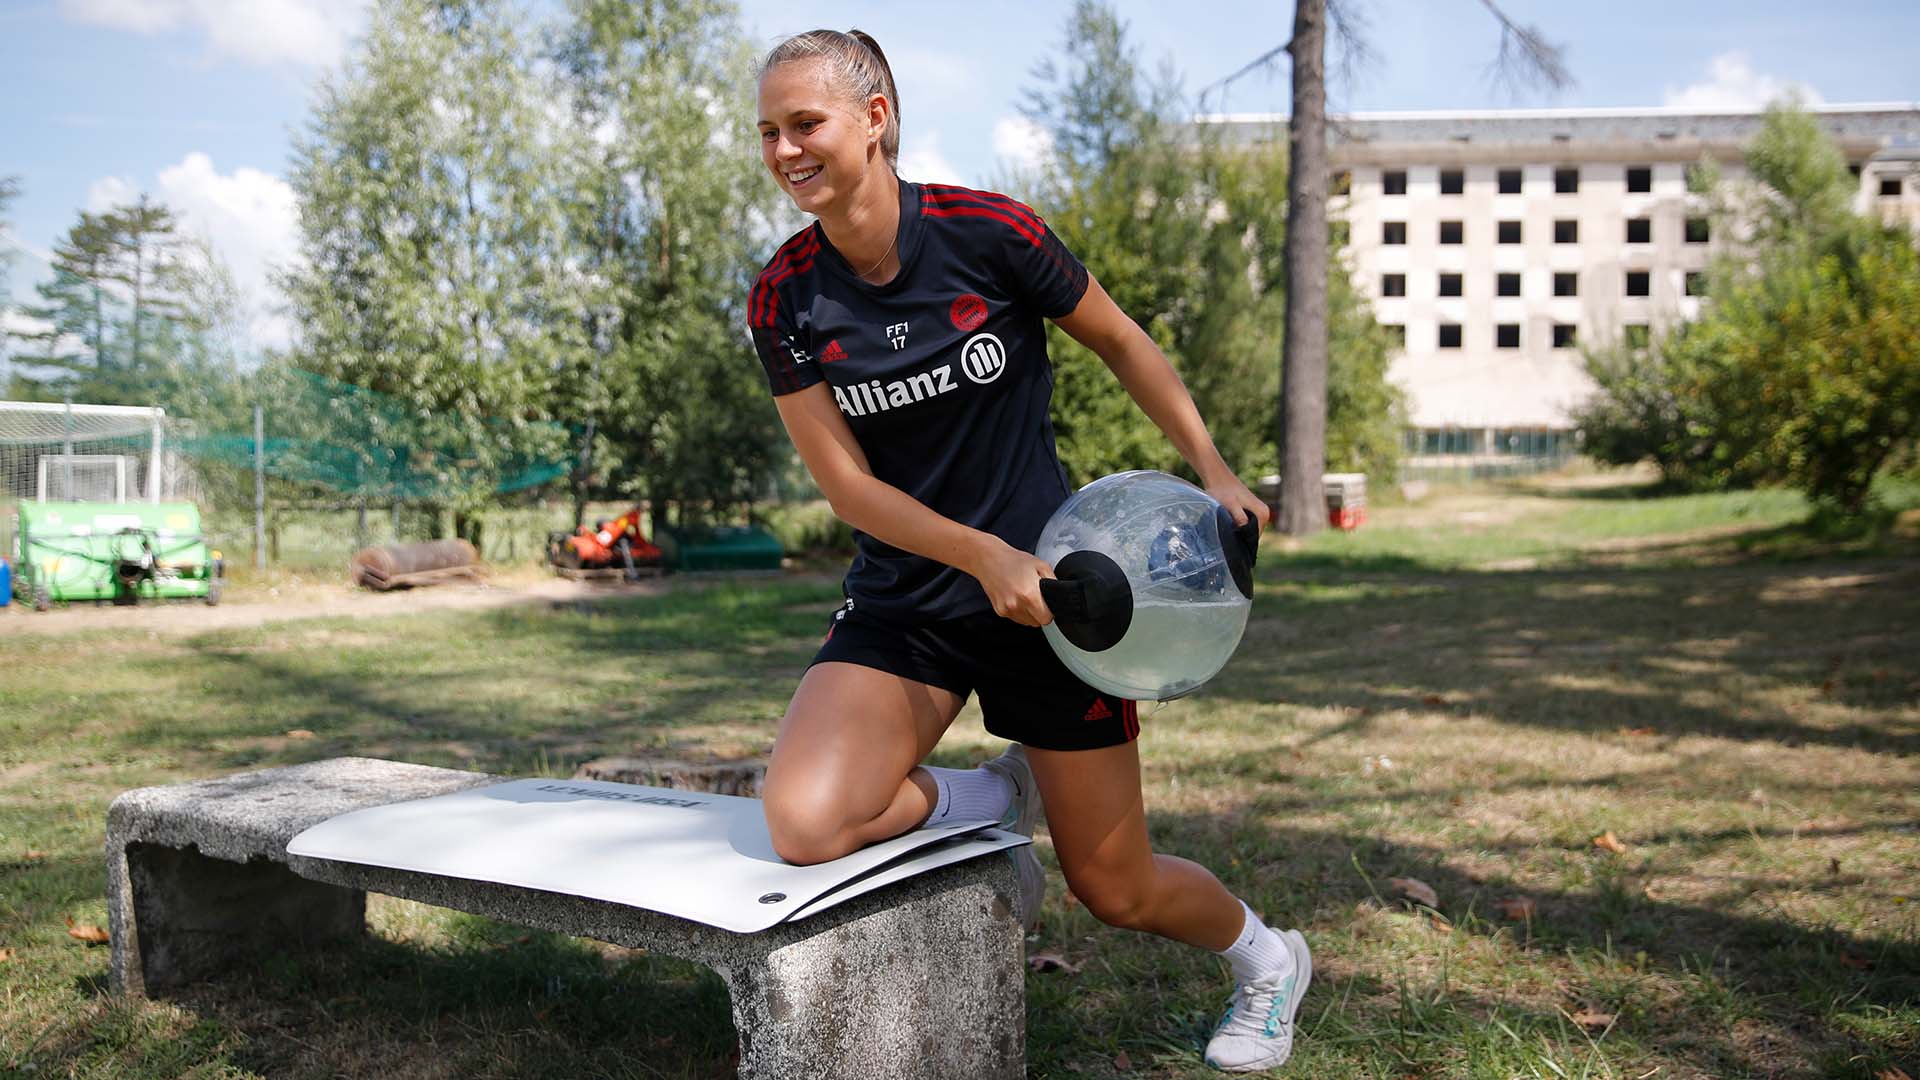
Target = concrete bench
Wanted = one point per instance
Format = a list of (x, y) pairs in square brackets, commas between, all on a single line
[(922, 978)]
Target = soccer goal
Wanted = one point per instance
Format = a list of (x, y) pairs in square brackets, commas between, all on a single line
[(56, 452)]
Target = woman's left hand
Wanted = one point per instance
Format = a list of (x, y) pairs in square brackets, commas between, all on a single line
[(1239, 501)]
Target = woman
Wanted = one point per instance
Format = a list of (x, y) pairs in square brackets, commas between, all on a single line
[(903, 338)]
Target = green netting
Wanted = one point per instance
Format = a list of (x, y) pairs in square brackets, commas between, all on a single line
[(363, 443)]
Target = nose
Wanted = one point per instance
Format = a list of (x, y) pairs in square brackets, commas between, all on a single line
[(784, 149)]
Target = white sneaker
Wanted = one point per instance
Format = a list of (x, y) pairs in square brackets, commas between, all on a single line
[(1021, 816), (1257, 1031)]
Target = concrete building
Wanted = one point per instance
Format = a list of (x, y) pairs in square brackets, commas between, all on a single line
[(1495, 243)]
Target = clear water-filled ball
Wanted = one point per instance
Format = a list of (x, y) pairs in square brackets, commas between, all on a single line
[(1155, 587)]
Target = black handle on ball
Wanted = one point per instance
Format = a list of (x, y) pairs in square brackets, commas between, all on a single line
[(1090, 599), (1242, 550)]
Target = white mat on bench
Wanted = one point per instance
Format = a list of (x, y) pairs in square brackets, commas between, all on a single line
[(698, 856)]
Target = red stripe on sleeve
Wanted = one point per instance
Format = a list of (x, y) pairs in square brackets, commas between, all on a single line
[(947, 193), (980, 211)]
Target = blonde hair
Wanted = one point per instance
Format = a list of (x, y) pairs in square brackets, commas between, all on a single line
[(854, 64)]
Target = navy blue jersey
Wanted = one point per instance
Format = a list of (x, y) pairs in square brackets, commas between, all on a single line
[(942, 374)]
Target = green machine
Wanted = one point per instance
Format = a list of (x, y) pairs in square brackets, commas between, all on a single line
[(725, 547), (123, 552)]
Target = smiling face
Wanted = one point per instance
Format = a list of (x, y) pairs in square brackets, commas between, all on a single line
[(819, 147)]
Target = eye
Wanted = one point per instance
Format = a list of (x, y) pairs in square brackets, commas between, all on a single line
[(808, 125), (768, 134)]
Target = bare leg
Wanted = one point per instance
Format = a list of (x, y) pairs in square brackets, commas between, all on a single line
[(1099, 828), (844, 769)]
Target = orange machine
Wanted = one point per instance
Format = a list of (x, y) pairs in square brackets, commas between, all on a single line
[(607, 545)]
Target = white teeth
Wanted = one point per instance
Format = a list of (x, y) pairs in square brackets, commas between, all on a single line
[(801, 177)]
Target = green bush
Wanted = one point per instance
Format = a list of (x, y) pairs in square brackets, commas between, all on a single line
[(1802, 368)]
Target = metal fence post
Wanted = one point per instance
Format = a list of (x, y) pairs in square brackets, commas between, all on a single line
[(259, 488)]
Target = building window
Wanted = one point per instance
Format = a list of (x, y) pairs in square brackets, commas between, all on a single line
[(1566, 231), (1509, 181), (1509, 232), (1393, 232), (1393, 182), (1889, 187), (1563, 335), (1639, 283), (1854, 168), (1566, 284), (1450, 284), (1639, 179), (1566, 181), (1507, 284), (1639, 230), (1452, 181), (1340, 183), (1452, 232), (1507, 335), (1698, 231), (1397, 333), (1449, 335), (1696, 283), (1636, 335), (1393, 284)]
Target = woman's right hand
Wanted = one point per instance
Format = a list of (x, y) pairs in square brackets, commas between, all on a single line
[(1011, 578)]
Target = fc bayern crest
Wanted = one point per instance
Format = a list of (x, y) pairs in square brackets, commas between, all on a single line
[(968, 312)]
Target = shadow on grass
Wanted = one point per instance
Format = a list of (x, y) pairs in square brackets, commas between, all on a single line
[(497, 1001), (1680, 975), (524, 690), (1792, 655)]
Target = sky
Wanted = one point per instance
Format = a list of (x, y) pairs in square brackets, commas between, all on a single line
[(196, 102)]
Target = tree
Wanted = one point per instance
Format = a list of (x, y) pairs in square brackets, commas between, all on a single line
[(665, 194), (1301, 418), (1801, 368), (9, 191), (1189, 238), (433, 247), (131, 298)]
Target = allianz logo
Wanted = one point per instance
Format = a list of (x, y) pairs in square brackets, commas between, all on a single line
[(982, 359)]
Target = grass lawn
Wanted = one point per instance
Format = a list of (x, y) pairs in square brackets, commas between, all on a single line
[(1466, 693)]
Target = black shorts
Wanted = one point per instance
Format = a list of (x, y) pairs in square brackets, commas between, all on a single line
[(1027, 695)]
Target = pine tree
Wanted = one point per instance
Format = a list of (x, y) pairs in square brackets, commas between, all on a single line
[(126, 301)]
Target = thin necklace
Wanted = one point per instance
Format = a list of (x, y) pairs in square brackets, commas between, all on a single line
[(884, 254)]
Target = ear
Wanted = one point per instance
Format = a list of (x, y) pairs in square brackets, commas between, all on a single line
[(878, 110)]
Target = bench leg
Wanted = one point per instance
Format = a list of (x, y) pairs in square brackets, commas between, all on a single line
[(932, 988), (177, 915)]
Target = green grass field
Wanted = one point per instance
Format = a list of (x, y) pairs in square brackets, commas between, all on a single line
[(1466, 693)]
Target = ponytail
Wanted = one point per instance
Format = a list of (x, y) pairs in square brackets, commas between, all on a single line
[(857, 66)]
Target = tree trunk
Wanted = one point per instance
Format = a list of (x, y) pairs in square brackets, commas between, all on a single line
[(1303, 365)]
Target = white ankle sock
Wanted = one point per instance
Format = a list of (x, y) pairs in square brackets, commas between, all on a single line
[(969, 795), (1258, 954)]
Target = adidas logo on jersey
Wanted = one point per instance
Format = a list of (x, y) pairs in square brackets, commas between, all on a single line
[(832, 352), (865, 399), (1099, 711)]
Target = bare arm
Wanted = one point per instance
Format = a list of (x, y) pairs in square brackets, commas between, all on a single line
[(1011, 577), (1100, 325)]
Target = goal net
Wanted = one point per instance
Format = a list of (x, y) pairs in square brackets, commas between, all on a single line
[(90, 453)]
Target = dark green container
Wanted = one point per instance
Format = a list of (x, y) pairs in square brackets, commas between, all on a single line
[(726, 547)]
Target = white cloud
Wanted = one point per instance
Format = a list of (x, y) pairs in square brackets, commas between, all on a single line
[(110, 191), (250, 219), (1733, 84), (312, 33), (921, 160), (1020, 142)]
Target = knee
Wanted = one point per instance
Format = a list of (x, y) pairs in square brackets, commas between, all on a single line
[(805, 829), (1115, 899)]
